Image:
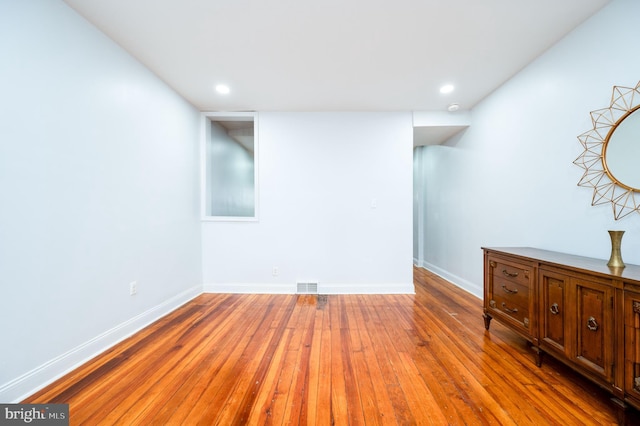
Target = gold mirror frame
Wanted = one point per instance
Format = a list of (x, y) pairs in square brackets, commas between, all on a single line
[(606, 188)]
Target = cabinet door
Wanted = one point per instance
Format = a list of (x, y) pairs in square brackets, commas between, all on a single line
[(509, 294), (632, 345), (593, 327), (552, 310)]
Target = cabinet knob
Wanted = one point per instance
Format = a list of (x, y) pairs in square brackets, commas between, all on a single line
[(555, 310), (592, 324)]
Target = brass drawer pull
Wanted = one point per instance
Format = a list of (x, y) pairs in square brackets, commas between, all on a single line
[(555, 310), (511, 311), (508, 290), (592, 324), (509, 274)]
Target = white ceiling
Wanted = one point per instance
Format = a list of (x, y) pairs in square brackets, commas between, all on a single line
[(335, 55)]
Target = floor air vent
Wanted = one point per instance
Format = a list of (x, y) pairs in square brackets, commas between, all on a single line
[(307, 288)]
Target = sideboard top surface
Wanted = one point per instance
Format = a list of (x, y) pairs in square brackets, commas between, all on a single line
[(586, 264)]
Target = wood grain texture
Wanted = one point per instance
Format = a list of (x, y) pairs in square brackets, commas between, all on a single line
[(328, 360)]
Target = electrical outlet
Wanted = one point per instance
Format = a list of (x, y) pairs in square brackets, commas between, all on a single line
[(133, 288), (275, 271)]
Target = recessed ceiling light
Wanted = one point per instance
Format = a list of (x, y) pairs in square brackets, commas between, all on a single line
[(222, 89), (453, 107), (447, 88)]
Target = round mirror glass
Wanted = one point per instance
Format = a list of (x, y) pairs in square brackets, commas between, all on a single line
[(623, 151)]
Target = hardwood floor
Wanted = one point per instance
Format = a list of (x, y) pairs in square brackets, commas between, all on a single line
[(345, 359)]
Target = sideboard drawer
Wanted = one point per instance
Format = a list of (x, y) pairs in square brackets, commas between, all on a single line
[(513, 292), (509, 292), (511, 272), (519, 313)]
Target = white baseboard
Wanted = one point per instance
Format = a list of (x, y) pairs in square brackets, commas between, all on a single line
[(285, 288), (262, 288), (27, 384), (454, 279), (367, 288)]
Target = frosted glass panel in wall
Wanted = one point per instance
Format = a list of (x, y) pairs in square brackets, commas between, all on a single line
[(230, 178)]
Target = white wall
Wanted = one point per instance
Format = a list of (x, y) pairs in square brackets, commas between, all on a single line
[(509, 179), (98, 188), (319, 174)]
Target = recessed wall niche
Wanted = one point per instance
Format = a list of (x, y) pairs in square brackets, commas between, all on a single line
[(229, 166)]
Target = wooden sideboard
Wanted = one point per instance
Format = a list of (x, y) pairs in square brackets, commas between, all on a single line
[(574, 308)]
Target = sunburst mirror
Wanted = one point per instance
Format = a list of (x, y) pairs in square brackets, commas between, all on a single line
[(611, 153)]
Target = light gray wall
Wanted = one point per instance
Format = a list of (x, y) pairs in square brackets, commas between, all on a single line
[(320, 176), (98, 188), (509, 179)]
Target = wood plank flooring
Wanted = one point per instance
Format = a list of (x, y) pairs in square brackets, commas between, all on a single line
[(328, 360)]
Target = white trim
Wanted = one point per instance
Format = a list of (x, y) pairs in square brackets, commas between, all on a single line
[(251, 288), (323, 288), (467, 286), (21, 387), (367, 288), (229, 219)]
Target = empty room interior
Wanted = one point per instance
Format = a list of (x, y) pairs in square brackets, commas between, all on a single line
[(342, 212)]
